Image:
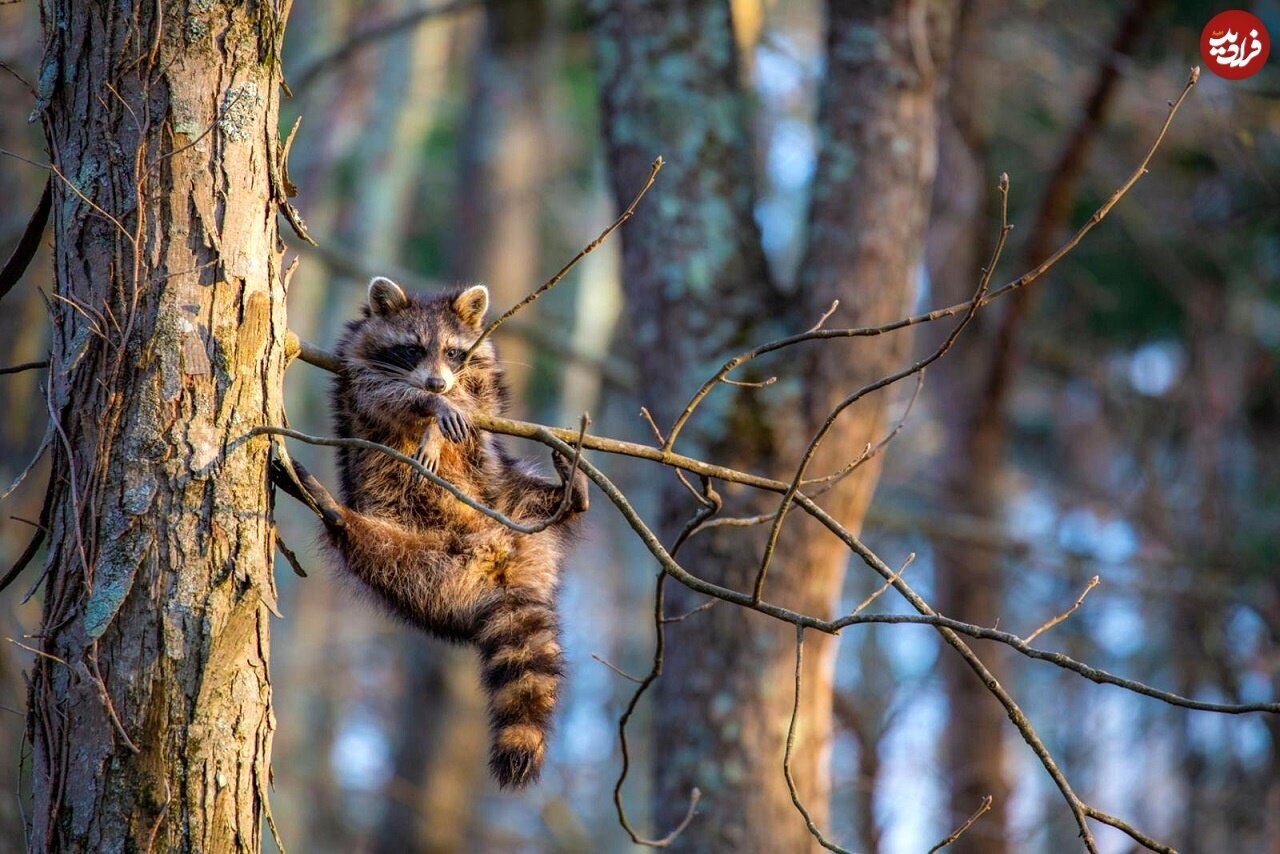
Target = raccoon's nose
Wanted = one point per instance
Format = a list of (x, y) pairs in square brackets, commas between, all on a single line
[(435, 384)]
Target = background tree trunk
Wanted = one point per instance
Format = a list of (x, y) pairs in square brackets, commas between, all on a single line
[(969, 576), (977, 384), (698, 290), (150, 709)]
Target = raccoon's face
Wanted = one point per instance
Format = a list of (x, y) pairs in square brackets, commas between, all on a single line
[(409, 347)]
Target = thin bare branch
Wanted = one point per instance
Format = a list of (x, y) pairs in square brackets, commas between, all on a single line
[(290, 556), (616, 669), (1093, 674), (862, 606), (835, 303), (29, 243), (573, 262), (25, 366), (959, 831), (869, 452), (1093, 582), (1137, 836), (655, 670), (746, 384), (786, 755)]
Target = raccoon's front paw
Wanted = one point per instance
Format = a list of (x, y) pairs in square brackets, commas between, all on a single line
[(579, 501), (429, 451), (453, 424)]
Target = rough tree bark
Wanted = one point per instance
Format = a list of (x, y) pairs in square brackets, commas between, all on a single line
[(698, 290), (150, 705)]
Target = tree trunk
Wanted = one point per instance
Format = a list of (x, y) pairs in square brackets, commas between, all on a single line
[(699, 291), (150, 706)]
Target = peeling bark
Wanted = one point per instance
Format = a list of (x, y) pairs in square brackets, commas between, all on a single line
[(149, 711)]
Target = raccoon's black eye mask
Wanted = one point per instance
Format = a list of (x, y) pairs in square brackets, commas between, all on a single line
[(402, 356)]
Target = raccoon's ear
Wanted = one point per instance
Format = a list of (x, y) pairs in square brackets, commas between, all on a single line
[(471, 304), (385, 297)]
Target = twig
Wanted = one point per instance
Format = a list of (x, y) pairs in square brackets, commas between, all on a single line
[(25, 366), (33, 547), (164, 812), (105, 696), (887, 584), (26, 470), (29, 243), (959, 831), (573, 262), (698, 609), (618, 670), (1093, 582), (39, 652), (869, 452), (567, 498), (290, 555), (1065, 662), (835, 303), (92, 204), (655, 670), (295, 347), (1137, 836), (17, 75), (657, 433), (786, 754)]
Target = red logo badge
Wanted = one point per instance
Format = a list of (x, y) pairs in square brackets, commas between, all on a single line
[(1235, 45)]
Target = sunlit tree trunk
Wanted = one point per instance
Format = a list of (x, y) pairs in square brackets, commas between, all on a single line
[(150, 705), (698, 291)]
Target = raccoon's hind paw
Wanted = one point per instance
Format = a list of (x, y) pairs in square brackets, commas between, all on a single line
[(488, 553)]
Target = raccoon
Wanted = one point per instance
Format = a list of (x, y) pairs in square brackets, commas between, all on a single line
[(432, 560)]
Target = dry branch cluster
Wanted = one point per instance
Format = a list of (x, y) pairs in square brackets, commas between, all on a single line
[(801, 491)]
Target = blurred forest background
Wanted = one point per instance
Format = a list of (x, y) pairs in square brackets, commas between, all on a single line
[(1138, 438)]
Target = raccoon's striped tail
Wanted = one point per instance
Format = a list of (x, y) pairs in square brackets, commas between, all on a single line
[(519, 641)]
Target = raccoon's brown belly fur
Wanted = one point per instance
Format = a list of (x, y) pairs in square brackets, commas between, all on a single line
[(460, 575)]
